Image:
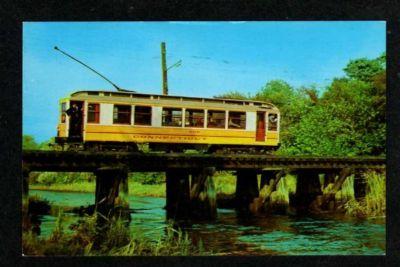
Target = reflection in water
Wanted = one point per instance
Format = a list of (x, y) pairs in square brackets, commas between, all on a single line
[(230, 235)]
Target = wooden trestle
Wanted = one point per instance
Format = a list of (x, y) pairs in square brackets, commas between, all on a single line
[(190, 191)]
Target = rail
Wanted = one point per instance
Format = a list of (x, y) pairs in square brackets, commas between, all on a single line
[(39, 160)]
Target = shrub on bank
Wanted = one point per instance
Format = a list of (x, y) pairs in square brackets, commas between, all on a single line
[(49, 178), (374, 203), (148, 177)]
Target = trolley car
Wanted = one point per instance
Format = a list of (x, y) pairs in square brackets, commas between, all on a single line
[(107, 120)]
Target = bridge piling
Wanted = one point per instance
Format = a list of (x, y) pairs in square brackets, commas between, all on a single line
[(107, 188), (266, 177), (178, 194), (203, 195), (329, 177), (267, 192), (307, 189), (360, 185), (246, 190), (123, 193), (327, 200), (25, 182)]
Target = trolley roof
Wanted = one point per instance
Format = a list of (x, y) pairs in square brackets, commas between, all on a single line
[(133, 95)]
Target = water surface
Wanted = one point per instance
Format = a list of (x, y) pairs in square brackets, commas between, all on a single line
[(231, 235)]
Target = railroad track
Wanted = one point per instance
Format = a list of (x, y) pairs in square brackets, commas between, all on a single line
[(39, 160)]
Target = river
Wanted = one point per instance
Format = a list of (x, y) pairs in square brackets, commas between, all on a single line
[(231, 235)]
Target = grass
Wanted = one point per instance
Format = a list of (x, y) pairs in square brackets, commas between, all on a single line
[(225, 182), (285, 187), (135, 188), (346, 193), (112, 239), (81, 186), (374, 203)]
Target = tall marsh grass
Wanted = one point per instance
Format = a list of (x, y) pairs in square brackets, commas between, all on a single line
[(225, 183), (374, 203), (346, 193), (112, 239), (285, 187)]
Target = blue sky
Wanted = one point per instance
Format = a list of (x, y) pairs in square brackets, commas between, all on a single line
[(216, 57)]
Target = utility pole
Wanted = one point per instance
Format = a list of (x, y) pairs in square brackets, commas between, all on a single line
[(164, 69)]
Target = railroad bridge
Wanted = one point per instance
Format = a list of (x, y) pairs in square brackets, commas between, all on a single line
[(190, 189)]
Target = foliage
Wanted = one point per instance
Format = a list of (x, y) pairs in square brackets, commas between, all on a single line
[(148, 177), (225, 182), (348, 119), (374, 203), (346, 192), (81, 186), (278, 92), (376, 193), (364, 69), (113, 239), (49, 178), (233, 95), (28, 142)]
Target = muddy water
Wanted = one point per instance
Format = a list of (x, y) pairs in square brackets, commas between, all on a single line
[(231, 235)]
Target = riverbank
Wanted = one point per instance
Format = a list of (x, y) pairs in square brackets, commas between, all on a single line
[(135, 188), (225, 183)]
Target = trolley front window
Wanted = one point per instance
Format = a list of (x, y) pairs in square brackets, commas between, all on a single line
[(122, 114), (63, 109), (272, 122), (237, 120), (172, 117), (142, 115), (215, 119), (93, 113), (194, 118)]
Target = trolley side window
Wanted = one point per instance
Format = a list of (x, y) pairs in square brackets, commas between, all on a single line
[(237, 120), (215, 119), (142, 115), (172, 117), (63, 109), (93, 115), (122, 114), (194, 118), (272, 122)]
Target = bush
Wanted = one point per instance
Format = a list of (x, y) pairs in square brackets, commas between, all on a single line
[(49, 178), (148, 177), (374, 203)]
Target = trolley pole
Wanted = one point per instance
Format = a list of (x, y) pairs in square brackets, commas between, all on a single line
[(164, 69)]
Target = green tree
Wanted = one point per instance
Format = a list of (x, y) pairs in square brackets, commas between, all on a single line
[(28, 142), (233, 95), (46, 144), (279, 92), (364, 69), (348, 120)]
